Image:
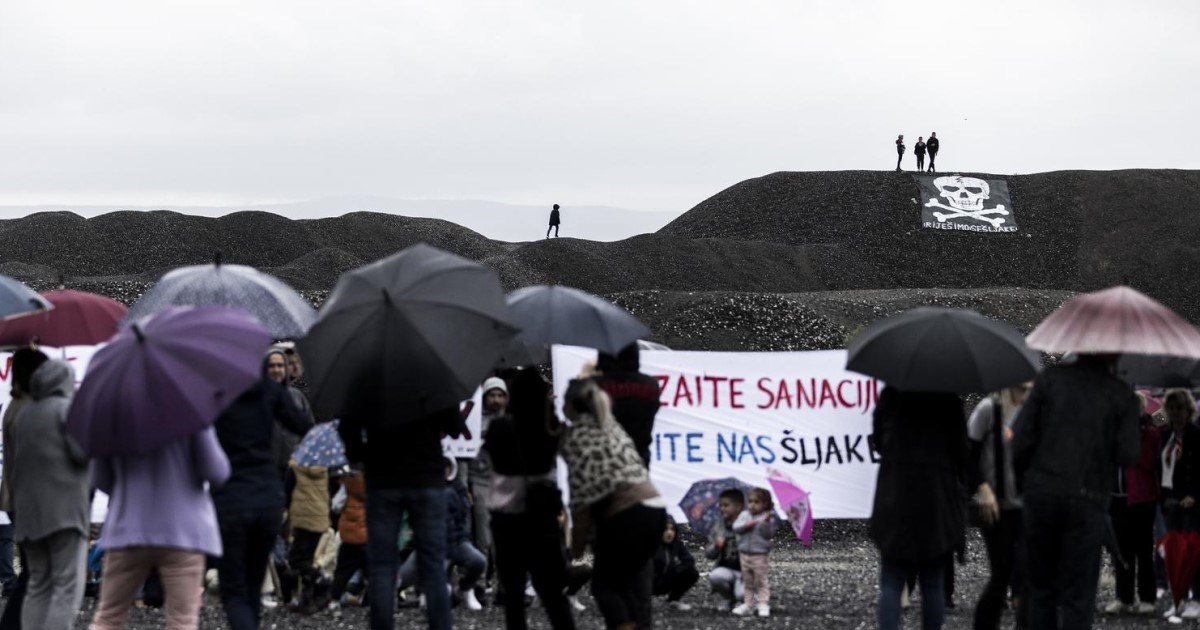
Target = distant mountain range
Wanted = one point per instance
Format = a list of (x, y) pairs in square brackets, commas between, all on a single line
[(497, 221)]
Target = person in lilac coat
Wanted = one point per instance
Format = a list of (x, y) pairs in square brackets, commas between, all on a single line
[(160, 515)]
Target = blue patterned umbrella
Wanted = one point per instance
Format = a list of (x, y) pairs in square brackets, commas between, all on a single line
[(321, 446), (699, 503)]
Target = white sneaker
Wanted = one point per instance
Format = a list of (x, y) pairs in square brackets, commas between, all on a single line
[(469, 600), (1191, 610), (764, 610), (741, 610), (1169, 613), (269, 602), (1142, 608), (681, 606), (1115, 607), (576, 604)]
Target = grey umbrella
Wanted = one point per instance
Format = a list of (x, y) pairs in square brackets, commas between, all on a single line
[(406, 336), (557, 314), (281, 310), (1158, 371), (942, 350), (17, 300)]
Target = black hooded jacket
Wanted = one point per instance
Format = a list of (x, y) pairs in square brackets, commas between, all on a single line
[(245, 430), (635, 396), (1079, 423)]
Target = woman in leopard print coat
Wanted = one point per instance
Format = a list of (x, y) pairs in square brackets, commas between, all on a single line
[(612, 494)]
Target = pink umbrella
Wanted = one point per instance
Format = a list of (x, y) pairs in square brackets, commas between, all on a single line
[(1116, 320), (794, 502)]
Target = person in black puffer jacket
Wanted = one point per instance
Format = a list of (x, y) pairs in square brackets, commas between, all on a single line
[(674, 568), (635, 396)]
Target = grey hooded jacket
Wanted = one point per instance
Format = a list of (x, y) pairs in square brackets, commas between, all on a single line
[(48, 471)]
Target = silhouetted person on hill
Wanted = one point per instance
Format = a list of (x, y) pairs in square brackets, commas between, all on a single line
[(932, 148), (919, 150), (899, 150), (554, 222)]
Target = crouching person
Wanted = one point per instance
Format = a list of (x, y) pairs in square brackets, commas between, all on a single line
[(674, 568), (459, 551), (725, 579)]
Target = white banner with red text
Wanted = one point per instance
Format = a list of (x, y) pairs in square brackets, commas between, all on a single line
[(734, 414)]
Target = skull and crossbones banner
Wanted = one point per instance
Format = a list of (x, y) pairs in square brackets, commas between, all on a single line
[(958, 202)]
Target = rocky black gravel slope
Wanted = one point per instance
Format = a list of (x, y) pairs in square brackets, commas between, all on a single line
[(1079, 230)]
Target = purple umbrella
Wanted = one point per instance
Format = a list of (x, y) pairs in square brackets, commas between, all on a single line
[(164, 377)]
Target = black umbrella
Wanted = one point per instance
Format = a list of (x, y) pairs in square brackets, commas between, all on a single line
[(406, 336), (942, 350), (1158, 371), (562, 315)]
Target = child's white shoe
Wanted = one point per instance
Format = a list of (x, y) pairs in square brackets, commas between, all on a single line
[(742, 610), (764, 610)]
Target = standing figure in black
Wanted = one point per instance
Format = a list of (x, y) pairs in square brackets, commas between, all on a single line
[(899, 150), (932, 147), (554, 222), (919, 150)]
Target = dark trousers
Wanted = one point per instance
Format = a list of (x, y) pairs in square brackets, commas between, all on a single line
[(578, 575), (892, 578), (528, 544), (623, 578), (920, 162), (553, 226), (247, 538), (1003, 541), (1063, 539), (1134, 527), (351, 558), (899, 156), (300, 561), (675, 582), (932, 157), (11, 619), (8, 577), (426, 510)]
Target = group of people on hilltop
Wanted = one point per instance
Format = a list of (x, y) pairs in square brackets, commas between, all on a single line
[(922, 147)]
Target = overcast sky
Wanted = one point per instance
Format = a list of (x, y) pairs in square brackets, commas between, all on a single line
[(648, 105)]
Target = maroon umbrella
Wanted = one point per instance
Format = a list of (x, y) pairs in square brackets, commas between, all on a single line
[(1119, 320), (1180, 552), (77, 319)]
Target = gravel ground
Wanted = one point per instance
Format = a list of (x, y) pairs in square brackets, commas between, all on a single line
[(831, 585)]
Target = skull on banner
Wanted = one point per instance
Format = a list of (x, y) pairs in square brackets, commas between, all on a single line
[(964, 193)]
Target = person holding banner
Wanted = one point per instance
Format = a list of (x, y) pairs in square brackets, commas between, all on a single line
[(918, 517), (611, 491), (635, 396)]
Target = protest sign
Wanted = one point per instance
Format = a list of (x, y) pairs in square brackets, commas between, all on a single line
[(738, 414)]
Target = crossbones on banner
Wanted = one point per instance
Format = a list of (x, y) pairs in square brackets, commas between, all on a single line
[(965, 196)]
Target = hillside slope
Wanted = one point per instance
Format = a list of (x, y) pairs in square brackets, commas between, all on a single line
[(1079, 230)]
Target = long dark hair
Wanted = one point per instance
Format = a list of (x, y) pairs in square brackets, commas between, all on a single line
[(25, 362)]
